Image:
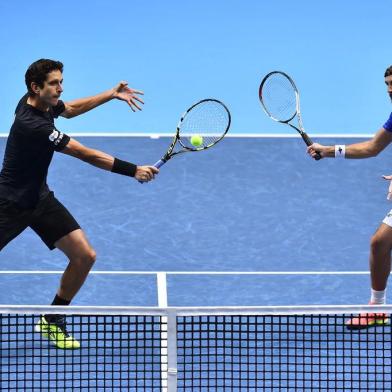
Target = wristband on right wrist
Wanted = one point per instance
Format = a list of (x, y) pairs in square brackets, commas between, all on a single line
[(124, 168), (340, 151)]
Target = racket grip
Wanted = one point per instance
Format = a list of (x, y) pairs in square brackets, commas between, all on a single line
[(159, 163), (308, 141)]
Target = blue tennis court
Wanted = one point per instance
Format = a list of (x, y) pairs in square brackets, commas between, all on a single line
[(253, 223), (251, 205)]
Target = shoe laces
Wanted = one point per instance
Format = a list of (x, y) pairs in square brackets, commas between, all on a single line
[(59, 321)]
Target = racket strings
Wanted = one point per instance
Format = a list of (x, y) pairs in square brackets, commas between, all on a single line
[(279, 97), (209, 119)]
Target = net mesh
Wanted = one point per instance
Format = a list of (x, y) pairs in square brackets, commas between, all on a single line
[(278, 97), (209, 119), (239, 351), (117, 353), (281, 353)]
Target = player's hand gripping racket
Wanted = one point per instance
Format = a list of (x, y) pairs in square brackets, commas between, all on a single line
[(209, 119), (279, 98)]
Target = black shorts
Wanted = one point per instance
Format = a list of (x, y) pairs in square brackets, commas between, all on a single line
[(49, 219)]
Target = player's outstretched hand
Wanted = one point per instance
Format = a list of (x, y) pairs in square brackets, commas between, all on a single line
[(129, 95), (316, 148), (146, 173)]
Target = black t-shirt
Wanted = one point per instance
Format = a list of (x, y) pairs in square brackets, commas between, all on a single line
[(30, 146)]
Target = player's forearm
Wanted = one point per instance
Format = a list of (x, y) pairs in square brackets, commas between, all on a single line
[(107, 162), (353, 151), (83, 105), (98, 159)]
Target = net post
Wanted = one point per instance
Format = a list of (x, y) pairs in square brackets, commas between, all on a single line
[(162, 289), (172, 350), (168, 338)]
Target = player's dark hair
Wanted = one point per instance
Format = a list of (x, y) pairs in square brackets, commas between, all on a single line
[(38, 71), (388, 72)]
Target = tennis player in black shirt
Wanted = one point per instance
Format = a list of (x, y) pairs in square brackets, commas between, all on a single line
[(25, 198)]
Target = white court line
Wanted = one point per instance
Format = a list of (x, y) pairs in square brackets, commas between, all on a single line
[(230, 135), (43, 272)]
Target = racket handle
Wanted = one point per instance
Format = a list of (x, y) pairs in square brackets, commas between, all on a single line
[(159, 163), (318, 156), (308, 141)]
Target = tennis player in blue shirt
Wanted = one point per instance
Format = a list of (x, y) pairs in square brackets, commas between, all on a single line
[(381, 242)]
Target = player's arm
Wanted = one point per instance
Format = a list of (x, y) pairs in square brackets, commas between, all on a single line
[(367, 149), (121, 92), (107, 162)]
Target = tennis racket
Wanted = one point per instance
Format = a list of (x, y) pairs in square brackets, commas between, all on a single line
[(208, 118), (279, 98)]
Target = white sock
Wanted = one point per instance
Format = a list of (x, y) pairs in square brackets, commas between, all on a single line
[(378, 297)]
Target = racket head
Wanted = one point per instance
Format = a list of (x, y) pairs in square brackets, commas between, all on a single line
[(208, 118), (279, 96)]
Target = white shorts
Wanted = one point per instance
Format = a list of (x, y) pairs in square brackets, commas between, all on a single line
[(388, 219)]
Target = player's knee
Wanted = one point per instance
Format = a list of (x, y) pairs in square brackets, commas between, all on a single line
[(90, 257), (379, 243), (87, 258)]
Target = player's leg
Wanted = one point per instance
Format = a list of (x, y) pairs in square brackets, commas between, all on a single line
[(380, 257), (81, 258), (380, 268), (58, 228)]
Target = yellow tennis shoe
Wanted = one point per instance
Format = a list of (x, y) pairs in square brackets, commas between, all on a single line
[(56, 332)]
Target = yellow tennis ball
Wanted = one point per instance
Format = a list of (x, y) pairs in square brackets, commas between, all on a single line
[(196, 140)]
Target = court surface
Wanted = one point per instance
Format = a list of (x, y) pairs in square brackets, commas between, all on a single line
[(248, 205)]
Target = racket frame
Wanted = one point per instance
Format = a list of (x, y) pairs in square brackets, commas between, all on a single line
[(177, 137), (300, 129)]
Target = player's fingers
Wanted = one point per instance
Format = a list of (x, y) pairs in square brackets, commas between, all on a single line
[(140, 92), (138, 99), (311, 150), (387, 177), (130, 105), (152, 171), (145, 178), (133, 105)]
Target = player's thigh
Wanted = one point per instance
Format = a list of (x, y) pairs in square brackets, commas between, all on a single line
[(75, 245), (52, 221), (13, 221)]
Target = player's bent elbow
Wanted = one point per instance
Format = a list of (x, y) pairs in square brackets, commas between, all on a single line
[(376, 150), (373, 150)]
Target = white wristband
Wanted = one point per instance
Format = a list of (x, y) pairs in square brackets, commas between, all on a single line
[(340, 151)]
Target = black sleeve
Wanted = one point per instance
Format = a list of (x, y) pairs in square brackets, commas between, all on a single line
[(45, 135), (58, 109), (59, 139)]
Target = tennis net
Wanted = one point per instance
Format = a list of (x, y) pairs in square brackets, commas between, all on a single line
[(197, 349)]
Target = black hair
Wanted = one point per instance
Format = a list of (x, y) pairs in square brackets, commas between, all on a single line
[(388, 72), (38, 71)]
